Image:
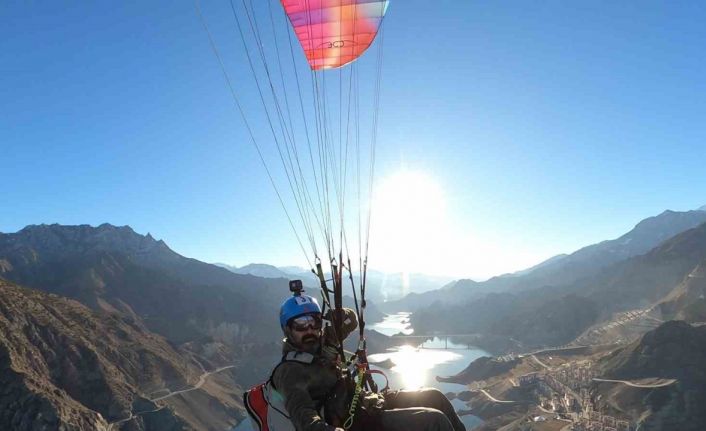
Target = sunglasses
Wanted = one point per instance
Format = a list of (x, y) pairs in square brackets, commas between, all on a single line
[(302, 323)]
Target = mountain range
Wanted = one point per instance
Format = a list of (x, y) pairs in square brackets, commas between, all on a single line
[(208, 316), (554, 303), (568, 268), (105, 328), (114, 269)]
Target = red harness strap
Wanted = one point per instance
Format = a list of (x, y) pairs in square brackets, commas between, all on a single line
[(256, 405)]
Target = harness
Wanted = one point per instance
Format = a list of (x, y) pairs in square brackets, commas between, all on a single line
[(265, 405)]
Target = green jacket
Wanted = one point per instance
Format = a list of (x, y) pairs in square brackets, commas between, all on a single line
[(311, 383)]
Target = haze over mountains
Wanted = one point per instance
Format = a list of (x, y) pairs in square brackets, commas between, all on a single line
[(565, 269), (380, 286), (311, 283), (555, 303)]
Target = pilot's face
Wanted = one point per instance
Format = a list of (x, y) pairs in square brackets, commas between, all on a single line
[(305, 331)]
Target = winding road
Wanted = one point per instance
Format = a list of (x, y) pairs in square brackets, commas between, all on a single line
[(132, 416), (202, 380), (492, 398), (540, 362), (638, 385)]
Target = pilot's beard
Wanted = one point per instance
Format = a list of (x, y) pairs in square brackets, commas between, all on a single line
[(310, 344)]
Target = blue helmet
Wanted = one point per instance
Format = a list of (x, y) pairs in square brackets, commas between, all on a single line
[(296, 306)]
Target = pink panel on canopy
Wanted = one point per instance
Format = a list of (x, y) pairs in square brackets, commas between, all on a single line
[(334, 33)]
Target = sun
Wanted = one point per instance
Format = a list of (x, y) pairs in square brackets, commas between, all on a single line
[(408, 216)]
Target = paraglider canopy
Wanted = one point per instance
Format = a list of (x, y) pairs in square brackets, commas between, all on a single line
[(334, 33)]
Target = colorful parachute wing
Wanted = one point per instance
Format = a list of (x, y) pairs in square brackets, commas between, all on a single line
[(334, 33)]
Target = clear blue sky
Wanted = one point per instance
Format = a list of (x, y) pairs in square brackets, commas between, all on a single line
[(548, 125)]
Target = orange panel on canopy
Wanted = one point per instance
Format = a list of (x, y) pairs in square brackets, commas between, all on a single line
[(334, 33)]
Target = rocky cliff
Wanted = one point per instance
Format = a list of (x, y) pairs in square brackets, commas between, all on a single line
[(63, 366)]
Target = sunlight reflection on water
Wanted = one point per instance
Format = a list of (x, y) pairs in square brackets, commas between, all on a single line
[(414, 365), (394, 324)]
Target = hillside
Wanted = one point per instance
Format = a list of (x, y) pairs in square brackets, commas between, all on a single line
[(480, 369), (63, 364), (645, 236), (675, 350), (646, 279), (688, 300)]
